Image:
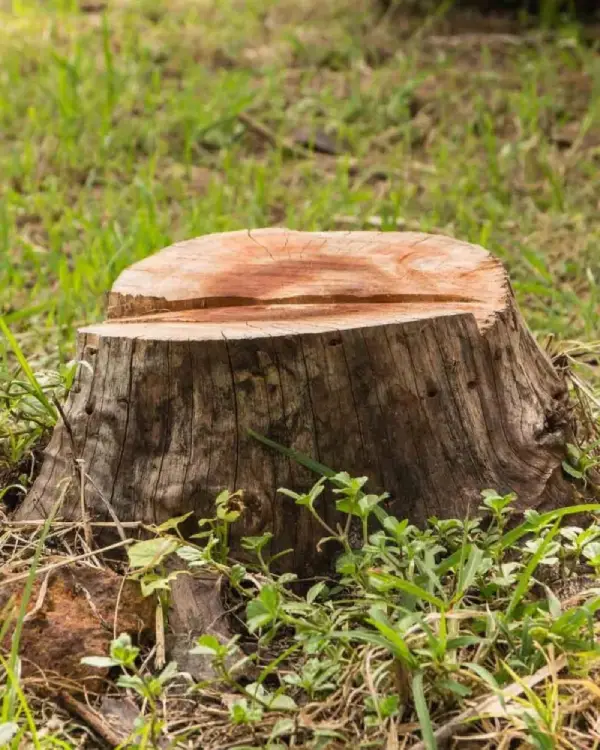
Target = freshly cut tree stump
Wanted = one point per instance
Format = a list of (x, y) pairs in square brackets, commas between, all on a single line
[(398, 356)]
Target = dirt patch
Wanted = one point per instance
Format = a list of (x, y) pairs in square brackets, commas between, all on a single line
[(74, 612)]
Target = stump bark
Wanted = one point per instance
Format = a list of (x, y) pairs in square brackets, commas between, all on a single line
[(398, 356)]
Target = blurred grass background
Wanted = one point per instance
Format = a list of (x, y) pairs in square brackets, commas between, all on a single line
[(123, 127)]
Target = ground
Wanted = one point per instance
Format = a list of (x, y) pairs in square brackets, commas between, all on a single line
[(129, 125)]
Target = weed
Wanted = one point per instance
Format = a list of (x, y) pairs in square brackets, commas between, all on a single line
[(414, 622)]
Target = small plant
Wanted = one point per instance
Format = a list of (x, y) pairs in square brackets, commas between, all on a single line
[(581, 462), (27, 405), (123, 655), (431, 615)]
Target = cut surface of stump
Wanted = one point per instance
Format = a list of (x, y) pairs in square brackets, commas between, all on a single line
[(398, 356)]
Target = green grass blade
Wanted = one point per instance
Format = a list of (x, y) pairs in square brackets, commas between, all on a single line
[(484, 674), (471, 562), (300, 458), (24, 364), (453, 560), (407, 587), (423, 712), (525, 577), (394, 641), (308, 463), (14, 681)]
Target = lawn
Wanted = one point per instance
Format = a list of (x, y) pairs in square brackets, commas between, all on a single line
[(130, 125)]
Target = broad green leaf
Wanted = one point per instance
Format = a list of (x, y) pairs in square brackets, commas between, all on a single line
[(287, 578), (554, 606), (395, 527), (193, 556), (168, 672), (242, 712), (237, 574), (260, 611), (572, 471), (256, 543), (207, 644), (270, 598), (282, 703), (151, 552), (283, 726), (173, 523), (348, 505), (131, 681), (255, 622), (314, 591), (455, 687), (388, 705), (591, 551), (151, 582), (103, 662), (123, 650)]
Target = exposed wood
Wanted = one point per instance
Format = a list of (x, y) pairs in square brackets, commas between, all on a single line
[(196, 609), (400, 356)]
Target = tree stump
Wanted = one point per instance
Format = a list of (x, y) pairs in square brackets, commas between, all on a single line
[(399, 356)]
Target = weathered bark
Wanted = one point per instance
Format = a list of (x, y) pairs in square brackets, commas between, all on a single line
[(196, 608), (401, 357)]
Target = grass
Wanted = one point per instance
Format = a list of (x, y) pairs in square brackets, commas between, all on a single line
[(120, 134), (124, 127)]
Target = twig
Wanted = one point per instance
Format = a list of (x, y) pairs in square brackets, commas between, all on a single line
[(6, 524), (93, 719), (269, 135), (39, 601), (160, 659), (66, 423), (109, 508), (68, 561), (117, 606)]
